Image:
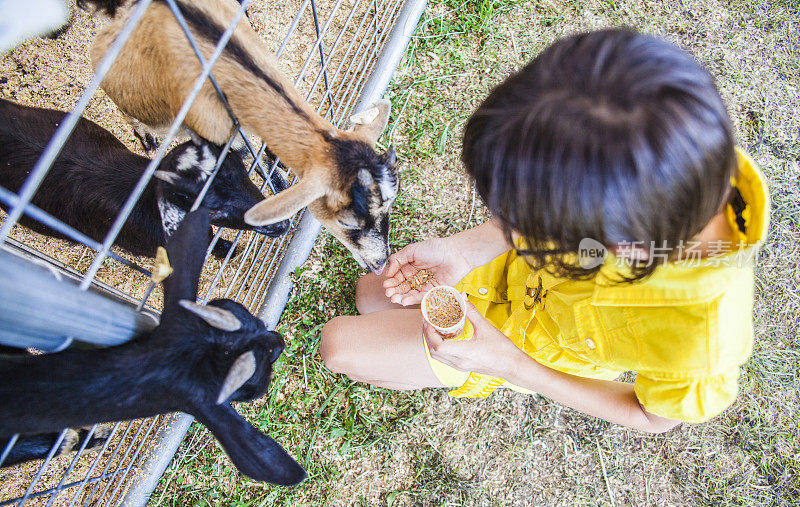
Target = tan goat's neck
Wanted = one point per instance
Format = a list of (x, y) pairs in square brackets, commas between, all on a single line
[(301, 142), (277, 113), (265, 99)]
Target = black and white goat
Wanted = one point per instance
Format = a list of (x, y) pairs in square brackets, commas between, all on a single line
[(94, 174), (198, 360), (346, 185)]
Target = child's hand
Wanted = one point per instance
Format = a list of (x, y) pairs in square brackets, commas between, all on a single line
[(488, 352), (439, 256)]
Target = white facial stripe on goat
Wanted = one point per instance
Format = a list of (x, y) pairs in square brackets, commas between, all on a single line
[(204, 161), (208, 163), (171, 216), (365, 178), (377, 207), (388, 185), (188, 159)]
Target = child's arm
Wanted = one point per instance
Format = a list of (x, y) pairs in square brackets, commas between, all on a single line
[(481, 244), (490, 352), (449, 259)]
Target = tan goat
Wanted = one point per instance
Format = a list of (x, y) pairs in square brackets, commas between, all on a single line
[(346, 185)]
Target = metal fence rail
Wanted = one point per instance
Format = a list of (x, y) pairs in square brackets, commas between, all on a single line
[(350, 55)]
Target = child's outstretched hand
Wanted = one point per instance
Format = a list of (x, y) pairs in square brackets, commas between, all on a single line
[(438, 256)]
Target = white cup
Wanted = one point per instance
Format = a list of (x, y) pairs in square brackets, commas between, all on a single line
[(452, 331)]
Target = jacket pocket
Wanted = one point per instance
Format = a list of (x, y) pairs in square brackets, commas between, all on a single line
[(605, 336)]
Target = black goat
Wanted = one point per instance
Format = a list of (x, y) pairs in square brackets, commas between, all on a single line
[(94, 174), (31, 447), (197, 360)]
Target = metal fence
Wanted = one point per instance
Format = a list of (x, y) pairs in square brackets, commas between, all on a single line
[(350, 49)]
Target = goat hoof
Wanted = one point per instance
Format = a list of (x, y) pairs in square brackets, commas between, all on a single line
[(70, 442), (98, 438), (149, 142), (222, 248)]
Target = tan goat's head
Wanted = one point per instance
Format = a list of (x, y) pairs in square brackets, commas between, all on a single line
[(353, 198)]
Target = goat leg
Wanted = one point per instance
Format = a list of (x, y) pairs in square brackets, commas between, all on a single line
[(31, 447), (146, 135), (254, 454), (222, 247), (278, 180)]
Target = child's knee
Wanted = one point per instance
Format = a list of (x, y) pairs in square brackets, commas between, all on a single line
[(365, 293), (332, 347)]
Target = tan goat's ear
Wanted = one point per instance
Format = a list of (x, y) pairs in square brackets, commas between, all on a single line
[(371, 122), (285, 204)]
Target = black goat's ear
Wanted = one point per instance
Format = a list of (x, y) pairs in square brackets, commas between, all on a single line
[(196, 139), (167, 176), (186, 249), (213, 315), (254, 454)]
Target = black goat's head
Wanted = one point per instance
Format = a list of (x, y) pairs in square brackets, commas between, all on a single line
[(184, 172), (228, 357), (237, 350)]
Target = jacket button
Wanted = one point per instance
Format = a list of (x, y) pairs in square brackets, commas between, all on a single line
[(590, 343), (483, 291)]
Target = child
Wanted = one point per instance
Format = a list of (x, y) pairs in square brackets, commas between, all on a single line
[(609, 139)]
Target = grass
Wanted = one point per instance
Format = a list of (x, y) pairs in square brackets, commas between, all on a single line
[(369, 446)]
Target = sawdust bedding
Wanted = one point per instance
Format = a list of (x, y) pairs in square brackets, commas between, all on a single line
[(52, 73)]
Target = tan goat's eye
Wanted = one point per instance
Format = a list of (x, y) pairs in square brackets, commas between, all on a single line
[(346, 225)]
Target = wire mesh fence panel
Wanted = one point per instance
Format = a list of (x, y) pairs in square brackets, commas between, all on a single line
[(329, 48)]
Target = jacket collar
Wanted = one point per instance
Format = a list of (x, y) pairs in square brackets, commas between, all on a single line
[(695, 281)]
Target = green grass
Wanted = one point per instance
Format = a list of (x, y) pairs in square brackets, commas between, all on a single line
[(369, 446)]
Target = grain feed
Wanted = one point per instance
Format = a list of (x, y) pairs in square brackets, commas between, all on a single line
[(443, 309), (419, 279)]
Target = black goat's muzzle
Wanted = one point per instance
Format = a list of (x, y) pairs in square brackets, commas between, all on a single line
[(235, 220), (278, 348), (273, 230)]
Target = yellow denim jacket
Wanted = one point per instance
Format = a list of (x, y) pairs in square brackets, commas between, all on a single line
[(685, 330)]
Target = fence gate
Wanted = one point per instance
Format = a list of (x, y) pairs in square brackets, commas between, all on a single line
[(342, 54)]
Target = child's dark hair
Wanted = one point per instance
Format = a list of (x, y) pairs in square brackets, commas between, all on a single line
[(611, 135)]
